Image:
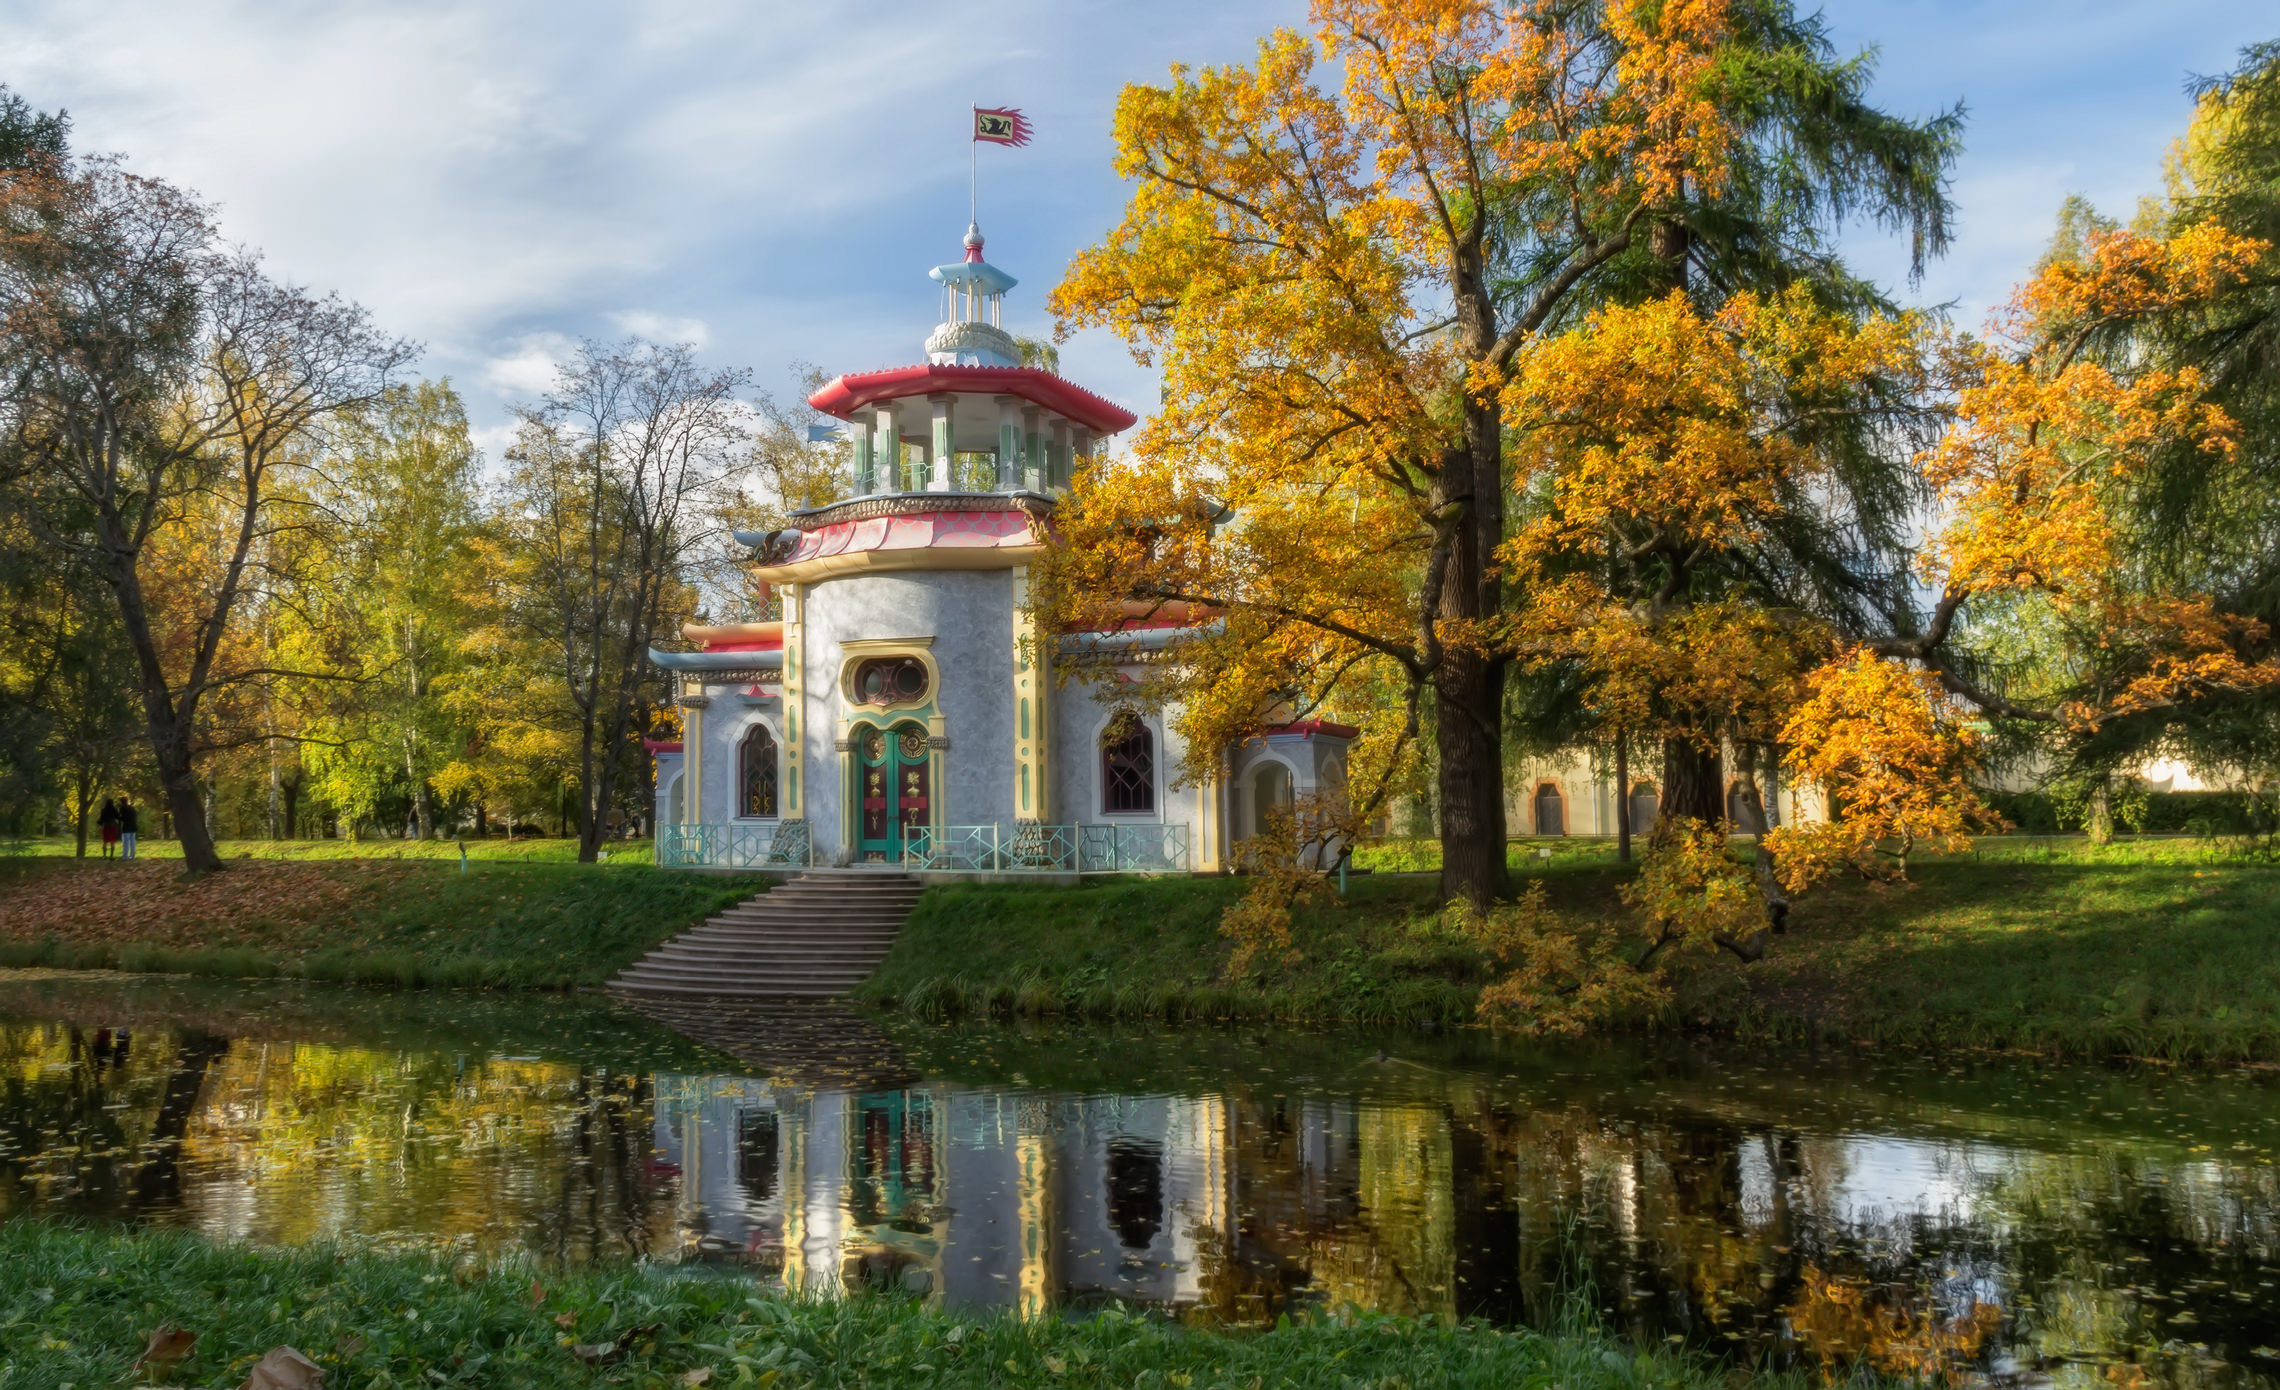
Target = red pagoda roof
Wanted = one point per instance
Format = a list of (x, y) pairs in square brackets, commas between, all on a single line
[(850, 393)]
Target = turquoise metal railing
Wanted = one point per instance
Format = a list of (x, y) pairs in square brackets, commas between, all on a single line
[(765, 845)]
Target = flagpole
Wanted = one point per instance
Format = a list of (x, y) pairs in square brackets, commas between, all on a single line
[(974, 174)]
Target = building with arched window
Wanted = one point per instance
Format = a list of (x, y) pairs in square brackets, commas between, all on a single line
[(1550, 809), (904, 709)]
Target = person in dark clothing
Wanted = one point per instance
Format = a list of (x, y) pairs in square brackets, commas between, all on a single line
[(128, 822), (107, 821)]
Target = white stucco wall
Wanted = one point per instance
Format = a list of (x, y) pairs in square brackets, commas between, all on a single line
[(969, 616)]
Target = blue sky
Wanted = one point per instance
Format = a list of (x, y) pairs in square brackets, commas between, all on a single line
[(772, 181)]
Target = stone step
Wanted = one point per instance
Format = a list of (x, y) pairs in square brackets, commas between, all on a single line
[(749, 984), (817, 935)]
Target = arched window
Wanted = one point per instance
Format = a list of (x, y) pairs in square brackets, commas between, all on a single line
[(1551, 810), (1270, 790), (757, 775), (1738, 808), (1645, 801), (1128, 769)]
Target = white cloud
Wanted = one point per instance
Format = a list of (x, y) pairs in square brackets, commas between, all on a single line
[(499, 180), (662, 328), (527, 370)]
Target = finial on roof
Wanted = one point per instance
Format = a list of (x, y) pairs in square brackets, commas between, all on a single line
[(974, 242)]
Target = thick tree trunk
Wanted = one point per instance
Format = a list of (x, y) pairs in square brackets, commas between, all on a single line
[(1471, 782), (2099, 824), (170, 727), (1622, 799), (86, 792), (185, 799), (1690, 789)]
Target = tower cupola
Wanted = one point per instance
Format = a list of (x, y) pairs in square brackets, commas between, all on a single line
[(973, 310)]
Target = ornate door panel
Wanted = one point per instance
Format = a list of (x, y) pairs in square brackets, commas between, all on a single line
[(895, 789), (913, 782), (875, 774)]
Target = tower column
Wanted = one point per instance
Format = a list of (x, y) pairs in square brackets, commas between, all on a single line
[(1080, 448), (1057, 455), (943, 454), (1032, 449), (1009, 444), (887, 472), (863, 434)]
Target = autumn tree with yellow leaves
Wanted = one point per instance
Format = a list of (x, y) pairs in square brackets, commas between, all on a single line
[(1667, 434), (1342, 255)]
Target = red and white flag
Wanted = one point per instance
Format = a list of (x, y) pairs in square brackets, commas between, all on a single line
[(1005, 126)]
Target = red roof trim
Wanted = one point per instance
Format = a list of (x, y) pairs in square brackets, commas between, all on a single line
[(775, 646), (1309, 727), (850, 393), (660, 746)]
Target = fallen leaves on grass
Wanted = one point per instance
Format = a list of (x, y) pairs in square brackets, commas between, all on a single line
[(149, 900), (168, 1344), (602, 1353), (285, 1369)]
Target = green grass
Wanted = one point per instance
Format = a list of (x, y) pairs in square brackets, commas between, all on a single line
[(523, 850), (529, 926), (1150, 948), (2163, 951), (2160, 949), (78, 1306)]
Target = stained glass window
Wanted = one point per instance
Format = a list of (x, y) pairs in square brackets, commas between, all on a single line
[(758, 774), (1128, 768)]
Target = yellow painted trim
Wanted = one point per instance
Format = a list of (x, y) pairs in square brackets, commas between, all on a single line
[(945, 557), (795, 683), (732, 632), (1029, 769), (693, 757), (855, 653)]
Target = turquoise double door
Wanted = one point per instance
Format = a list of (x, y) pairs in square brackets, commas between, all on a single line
[(894, 772)]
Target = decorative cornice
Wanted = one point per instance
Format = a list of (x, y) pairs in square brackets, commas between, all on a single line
[(880, 504), (695, 701), (935, 557)]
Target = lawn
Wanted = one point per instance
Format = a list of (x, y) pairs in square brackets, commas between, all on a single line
[(407, 921), (80, 1306), (2156, 949), (522, 850)]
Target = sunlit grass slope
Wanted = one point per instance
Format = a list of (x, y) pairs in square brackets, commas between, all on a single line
[(2161, 949)]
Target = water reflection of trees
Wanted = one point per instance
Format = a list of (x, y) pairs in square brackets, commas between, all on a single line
[(1913, 1249), (283, 1142)]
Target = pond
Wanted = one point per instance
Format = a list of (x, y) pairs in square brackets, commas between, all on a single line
[(1982, 1217)]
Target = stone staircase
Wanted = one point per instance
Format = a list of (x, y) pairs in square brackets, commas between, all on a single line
[(816, 935)]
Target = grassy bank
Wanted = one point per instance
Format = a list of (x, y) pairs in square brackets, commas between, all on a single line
[(525, 849), (79, 1307), (380, 921), (2160, 949)]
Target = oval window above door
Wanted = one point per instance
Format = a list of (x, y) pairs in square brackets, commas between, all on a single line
[(893, 680)]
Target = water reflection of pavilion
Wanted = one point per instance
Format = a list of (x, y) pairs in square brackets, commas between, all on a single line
[(984, 1197)]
